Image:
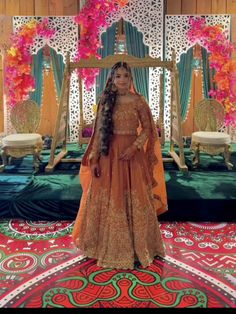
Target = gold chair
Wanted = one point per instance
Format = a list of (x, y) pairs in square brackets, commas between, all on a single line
[(209, 117), (25, 118)]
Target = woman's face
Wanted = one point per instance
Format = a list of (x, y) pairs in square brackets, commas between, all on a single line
[(122, 79)]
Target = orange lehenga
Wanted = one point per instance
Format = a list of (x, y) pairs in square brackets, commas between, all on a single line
[(117, 219)]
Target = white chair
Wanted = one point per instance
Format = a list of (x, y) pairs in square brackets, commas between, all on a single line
[(25, 118), (209, 117)]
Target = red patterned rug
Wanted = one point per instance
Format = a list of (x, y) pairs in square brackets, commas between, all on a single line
[(40, 268)]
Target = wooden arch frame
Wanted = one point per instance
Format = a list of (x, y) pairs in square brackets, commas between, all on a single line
[(61, 129)]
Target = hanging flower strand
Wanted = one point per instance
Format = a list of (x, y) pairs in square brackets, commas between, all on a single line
[(18, 79), (91, 19), (214, 39)]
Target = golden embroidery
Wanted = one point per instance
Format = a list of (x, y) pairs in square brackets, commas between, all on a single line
[(125, 132), (115, 236)]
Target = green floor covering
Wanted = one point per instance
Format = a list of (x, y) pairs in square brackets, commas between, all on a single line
[(204, 194)]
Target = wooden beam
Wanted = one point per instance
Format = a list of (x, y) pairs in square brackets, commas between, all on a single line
[(218, 6), (13, 7), (233, 34), (41, 7), (55, 7), (189, 7), (2, 7), (27, 7), (173, 7), (204, 7), (71, 7), (110, 60), (231, 7)]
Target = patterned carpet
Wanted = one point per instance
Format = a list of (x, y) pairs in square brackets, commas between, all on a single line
[(40, 268)]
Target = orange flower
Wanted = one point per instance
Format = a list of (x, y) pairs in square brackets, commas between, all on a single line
[(122, 3), (223, 84)]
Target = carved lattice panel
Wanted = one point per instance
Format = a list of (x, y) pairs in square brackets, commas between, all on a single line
[(65, 40), (176, 28)]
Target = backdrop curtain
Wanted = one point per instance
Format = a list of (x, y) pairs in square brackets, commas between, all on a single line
[(207, 73), (136, 47), (58, 69), (185, 68), (37, 72)]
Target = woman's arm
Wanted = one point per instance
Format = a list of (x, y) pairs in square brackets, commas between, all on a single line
[(143, 113)]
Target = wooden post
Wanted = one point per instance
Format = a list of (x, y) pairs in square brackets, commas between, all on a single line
[(176, 123), (81, 119), (60, 132), (161, 111)]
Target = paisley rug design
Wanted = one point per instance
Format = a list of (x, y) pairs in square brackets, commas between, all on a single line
[(41, 268)]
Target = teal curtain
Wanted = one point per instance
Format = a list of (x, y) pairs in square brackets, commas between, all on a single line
[(108, 43), (58, 69), (37, 72), (208, 74), (136, 47), (185, 68)]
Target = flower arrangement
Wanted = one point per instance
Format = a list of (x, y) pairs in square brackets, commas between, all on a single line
[(214, 39), (91, 18), (18, 79)]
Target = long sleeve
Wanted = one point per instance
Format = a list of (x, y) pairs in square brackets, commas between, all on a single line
[(95, 152), (143, 110)]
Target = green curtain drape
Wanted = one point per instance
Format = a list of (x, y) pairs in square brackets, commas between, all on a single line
[(108, 43), (185, 68), (136, 47), (58, 69), (37, 72), (208, 74)]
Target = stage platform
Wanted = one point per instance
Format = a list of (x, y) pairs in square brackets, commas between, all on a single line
[(204, 194)]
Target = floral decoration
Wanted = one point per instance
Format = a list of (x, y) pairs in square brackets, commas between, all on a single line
[(91, 19), (215, 40), (18, 79)]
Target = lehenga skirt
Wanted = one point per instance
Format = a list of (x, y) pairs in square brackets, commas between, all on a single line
[(117, 222)]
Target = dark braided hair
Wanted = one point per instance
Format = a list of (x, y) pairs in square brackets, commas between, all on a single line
[(108, 101)]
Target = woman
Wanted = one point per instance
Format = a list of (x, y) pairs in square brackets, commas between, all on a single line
[(123, 180)]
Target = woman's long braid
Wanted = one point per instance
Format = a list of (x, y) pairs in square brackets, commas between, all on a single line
[(108, 103)]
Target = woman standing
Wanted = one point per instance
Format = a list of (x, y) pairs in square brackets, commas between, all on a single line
[(123, 181)]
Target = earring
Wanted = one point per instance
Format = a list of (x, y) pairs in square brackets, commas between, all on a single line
[(114, 88)]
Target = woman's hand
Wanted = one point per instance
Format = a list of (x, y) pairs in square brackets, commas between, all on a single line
[(128, 153), (95, 169)]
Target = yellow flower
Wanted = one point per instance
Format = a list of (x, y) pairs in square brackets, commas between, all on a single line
[(32, 23), (12, 51), (95, 106)]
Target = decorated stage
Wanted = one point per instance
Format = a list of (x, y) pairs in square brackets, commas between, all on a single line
[(203, 194)]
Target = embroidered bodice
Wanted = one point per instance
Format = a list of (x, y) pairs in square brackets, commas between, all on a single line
[(125, 118), (128, 114)]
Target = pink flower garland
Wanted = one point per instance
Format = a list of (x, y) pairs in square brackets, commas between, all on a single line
[(91, 19), (18, 79), (214, 39)]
